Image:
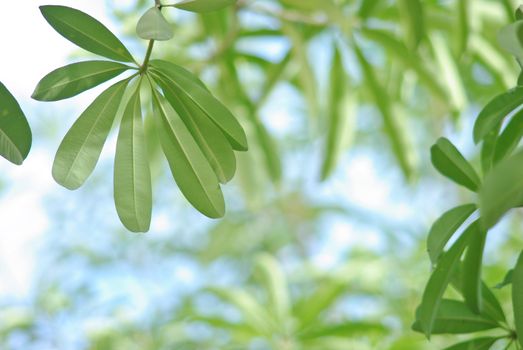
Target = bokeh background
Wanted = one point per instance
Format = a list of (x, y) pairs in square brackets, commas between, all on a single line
[(323, 243)]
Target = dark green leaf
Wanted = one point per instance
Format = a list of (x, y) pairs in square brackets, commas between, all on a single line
[(207, 135), (502, 189), (189, 167), (86, 32), (494, 112), (484, 343), (15, 134), (204, 5), (450, 162), (186, 83), (80, 149), (517, 297), (471, 271), (443, 229), (153, 26), (509, 138), (75, 78), (132, 177), (454, 317), (488, 149), (440, 279)]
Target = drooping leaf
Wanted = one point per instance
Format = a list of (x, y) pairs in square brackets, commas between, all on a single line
[(86, 32), (132, 177), (502, 189), (494, 112), (218, 113), (439, 280), (517, 297), (204, 5), (80, 149), (454, 317), (444, 227), (189, 167), (447, 159), (510, 38), (506, 280), (15, 133), (484, 343), (471, 271), (276, 285), (75, 78), (509, 138), (153, 26), (207, 135)]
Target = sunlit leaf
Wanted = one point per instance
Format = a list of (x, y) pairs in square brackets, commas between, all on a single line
[(204, 5), (444, 227), (86, 32), (276, 285), (463, 28), (502, 189), (15, 133), (132, 177), (153, 26), (412, 15), (80, 149), (447, 159), (75, 78), (189, 167)]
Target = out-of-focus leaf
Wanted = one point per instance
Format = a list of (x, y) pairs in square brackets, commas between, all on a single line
[(494, 112), (502, 190), (394, 131), (309, 5), (506, 280), (220, 115), (454, 317), (276, 286), (484, 343), (510, 38), (80, 149), (15, 133), (86, 32), (450, 73), (439, 280), (412, 17), (471, 271), (345, 329), (463, 27), (447, 159), (492, 58), (509, 138), (153, 26), (75, 78), (443, 229), (190, 169), (209, 138), (132, 177), (517, 300), (341, 117), (367, 7), (204, 5)]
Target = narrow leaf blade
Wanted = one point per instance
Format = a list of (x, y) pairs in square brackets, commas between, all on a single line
[(517, 299), (204, 5)]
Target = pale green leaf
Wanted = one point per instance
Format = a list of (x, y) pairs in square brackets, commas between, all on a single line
[(153, 26), (204, 5), (276, 286), (510, 38)]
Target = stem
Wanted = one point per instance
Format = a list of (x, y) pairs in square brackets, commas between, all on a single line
[(145, 63)]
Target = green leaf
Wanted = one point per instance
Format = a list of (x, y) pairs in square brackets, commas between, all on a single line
[(186, 83), (80, 149), (502, 189), (276, 286), (484, 343), (444, 227), (463, 28), (268, 147), (342, 115), (153, 26), (75, 78), (454, 317), (506, 280), (86, 32), (510, 38), (132, 177), (411, 13), (440, 279), (207, 135), (494, 112), (509, 138), (450, 162), (488, 149), (204, 5), (189, 167), (517, 299), (345, 329), (15, 133), (471, 271)]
